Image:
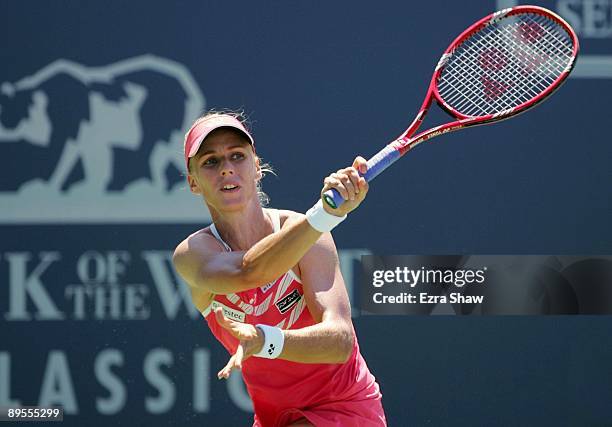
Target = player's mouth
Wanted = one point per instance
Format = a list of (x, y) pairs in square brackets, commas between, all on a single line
[(230, 188)]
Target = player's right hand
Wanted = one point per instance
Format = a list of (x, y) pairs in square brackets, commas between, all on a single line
[(350, 184), (251, 341)]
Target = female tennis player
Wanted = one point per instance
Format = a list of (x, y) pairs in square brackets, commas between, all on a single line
[(269, 286)]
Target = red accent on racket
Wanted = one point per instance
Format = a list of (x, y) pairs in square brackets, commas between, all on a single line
[(501, 66)]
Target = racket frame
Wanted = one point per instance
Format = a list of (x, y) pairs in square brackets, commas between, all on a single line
[(407, 140)]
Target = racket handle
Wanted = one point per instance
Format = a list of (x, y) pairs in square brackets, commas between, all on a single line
[(381, 161)]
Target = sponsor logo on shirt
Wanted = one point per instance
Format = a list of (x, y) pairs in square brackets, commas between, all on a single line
[(267, 287), (288, 301), (230, 313)]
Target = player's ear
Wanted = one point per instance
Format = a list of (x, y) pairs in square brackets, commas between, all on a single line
[(193, 185), (258, 168)]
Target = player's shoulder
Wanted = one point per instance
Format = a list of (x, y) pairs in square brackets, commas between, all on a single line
[(199, 243)]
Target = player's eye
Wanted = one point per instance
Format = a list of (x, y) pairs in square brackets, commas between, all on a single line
[(210, 161), (237, 155)]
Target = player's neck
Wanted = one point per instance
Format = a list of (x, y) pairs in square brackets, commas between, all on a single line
[(242, 229)]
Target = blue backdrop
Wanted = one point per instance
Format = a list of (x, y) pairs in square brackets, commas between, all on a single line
[(95, 97)]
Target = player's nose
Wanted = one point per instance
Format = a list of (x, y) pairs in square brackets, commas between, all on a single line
[(227, 169)]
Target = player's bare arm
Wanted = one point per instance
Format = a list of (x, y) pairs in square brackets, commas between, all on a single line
[(330, 340), (204, 265)]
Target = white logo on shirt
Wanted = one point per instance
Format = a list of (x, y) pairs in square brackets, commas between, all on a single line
[(230, 313), (266, 288)]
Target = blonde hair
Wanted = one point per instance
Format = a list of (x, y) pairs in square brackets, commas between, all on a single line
[(264, 167)]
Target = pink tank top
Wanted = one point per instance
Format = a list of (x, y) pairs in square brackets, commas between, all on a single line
[(278, 386)]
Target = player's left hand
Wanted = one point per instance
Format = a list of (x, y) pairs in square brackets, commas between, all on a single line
[(251, 341)]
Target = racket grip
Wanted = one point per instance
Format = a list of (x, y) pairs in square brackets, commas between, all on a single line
[(381, 161)]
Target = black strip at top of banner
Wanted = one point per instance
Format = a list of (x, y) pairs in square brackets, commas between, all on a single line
[(486, 284)]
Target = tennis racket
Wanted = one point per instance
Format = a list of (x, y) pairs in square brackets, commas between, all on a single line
[(501, 66)]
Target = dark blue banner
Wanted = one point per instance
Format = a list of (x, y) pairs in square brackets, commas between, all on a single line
[(95, 98)]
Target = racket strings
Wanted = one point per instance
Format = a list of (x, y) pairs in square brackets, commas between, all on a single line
[(469, 93), (495, 84), (505, 64), (482, 98), (492, 87), (507, 67), (536, 58)]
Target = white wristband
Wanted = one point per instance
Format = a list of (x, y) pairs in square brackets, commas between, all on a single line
[(274, 340), (320, 220)]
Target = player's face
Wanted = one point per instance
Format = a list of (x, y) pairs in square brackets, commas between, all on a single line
[(225, 170)]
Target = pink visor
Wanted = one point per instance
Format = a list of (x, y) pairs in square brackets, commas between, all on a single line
[(203, 127)]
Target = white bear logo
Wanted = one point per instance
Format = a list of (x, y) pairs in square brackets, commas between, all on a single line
[(98, 144)]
